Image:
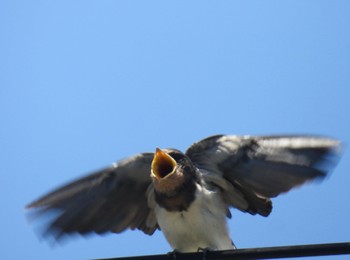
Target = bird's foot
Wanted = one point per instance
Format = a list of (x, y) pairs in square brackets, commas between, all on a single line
[(204, 251), (173, 254)]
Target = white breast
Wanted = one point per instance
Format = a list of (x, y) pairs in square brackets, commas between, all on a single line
[(203, 225)]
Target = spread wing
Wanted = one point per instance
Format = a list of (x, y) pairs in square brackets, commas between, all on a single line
[(251, 170), (113, 199)]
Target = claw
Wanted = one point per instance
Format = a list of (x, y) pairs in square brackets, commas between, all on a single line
[(204, 252), (173, 254)]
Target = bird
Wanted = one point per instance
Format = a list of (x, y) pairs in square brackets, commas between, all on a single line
[(188, 196)]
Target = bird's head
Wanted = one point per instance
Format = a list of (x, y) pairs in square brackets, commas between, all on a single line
[(170, 169)]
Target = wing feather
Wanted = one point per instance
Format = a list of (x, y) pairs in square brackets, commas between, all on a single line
[(111, 200), (261, 167)]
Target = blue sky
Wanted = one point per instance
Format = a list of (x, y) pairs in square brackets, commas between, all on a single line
[(85, 83)]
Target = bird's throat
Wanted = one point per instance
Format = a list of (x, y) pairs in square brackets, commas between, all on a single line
[(178, 199)]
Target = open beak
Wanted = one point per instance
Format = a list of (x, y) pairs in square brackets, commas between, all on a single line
[(163, 164)]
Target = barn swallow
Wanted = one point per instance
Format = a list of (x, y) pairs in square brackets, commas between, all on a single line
[(189, 195)]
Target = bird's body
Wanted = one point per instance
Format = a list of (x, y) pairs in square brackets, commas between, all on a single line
[(188, 195), (203, 225)]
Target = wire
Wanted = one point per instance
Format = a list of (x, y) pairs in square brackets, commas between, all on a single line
[(254, 253)]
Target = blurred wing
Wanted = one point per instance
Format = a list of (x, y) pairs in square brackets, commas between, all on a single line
[(113, 199), (250, 170)]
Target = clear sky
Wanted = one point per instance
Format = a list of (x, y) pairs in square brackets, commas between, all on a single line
[(85, 83)]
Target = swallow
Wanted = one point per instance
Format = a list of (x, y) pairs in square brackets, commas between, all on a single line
[(188, 196)]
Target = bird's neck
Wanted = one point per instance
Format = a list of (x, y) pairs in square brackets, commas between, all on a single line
[(178, 199)]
